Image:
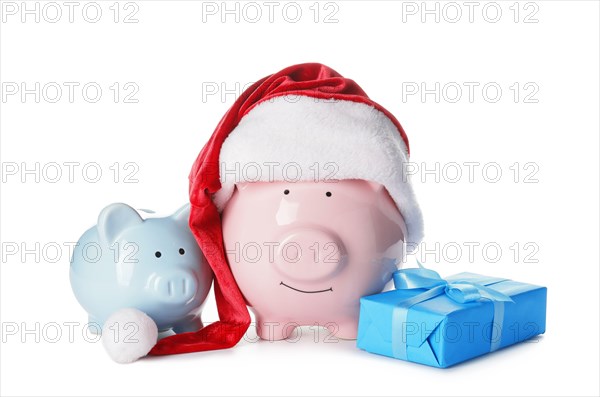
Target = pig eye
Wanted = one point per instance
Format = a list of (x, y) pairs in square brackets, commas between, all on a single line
[(181, 251), (286, 191), (157, 254), (328, 194)]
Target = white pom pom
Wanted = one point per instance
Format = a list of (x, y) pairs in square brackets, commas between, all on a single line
[(128, 335)]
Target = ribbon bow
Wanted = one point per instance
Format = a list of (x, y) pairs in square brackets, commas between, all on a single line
[(460, 291)]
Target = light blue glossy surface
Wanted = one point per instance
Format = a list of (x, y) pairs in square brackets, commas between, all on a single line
[(154, 265)]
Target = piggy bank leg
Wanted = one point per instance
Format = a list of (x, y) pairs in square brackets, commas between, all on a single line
[(94, 325), (189, 325), (273, 330), (344, 329)]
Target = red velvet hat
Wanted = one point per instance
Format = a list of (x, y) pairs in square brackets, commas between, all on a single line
[(305, 113)]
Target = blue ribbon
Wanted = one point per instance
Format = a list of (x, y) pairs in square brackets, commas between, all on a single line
[(460, 291)]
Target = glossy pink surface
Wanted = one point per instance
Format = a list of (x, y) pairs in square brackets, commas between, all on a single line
[(304, 253)]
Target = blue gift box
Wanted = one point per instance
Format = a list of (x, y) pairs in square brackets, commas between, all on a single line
[(438, 322)]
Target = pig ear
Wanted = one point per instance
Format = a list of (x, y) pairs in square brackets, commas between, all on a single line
[(182, 215), (374, 185), (242, 185), (114, 219)]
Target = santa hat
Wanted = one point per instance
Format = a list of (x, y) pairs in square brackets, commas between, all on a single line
[(305, 122)]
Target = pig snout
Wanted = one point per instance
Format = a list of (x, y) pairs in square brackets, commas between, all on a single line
[(309, 254), (176, 287)]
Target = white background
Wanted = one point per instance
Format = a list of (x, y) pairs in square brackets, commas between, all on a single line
[(172, 56)]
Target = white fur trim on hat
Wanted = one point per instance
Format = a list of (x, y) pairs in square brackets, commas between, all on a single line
[(289, 137)]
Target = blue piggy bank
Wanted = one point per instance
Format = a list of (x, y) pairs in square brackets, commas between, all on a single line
[(153, 266)]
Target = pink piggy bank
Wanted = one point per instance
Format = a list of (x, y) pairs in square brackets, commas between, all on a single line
[(304, 253), (280, 234)]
